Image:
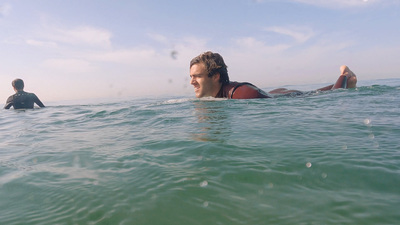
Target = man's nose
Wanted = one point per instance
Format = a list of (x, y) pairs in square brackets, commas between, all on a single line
[(192, 80)]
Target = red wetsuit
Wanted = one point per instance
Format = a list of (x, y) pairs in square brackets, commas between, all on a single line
[(236, 90)]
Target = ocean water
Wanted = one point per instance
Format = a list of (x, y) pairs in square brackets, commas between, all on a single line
[(322, 158)]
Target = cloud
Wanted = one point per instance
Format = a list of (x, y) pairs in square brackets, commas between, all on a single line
[(41, 43), (5, 10), (124, 56), (258, 1), (336, 4), (300, 35), (68, 66), (85, 36), (339, 3), (158, 38), (260, 62), (251, 44), (150, 55), (139, 60)]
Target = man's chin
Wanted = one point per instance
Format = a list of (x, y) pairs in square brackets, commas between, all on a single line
[(198, 93)]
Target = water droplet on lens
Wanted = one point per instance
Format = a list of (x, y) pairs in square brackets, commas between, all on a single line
[(367, 121), (371, 136), (205, 204), (324, 175), (203, 184), (308, 165)]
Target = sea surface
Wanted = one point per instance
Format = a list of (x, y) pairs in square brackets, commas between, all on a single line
[(321, 158)]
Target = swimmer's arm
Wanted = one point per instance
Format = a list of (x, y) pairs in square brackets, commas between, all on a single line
[(38, 102), (340, 83), (248, 92), (8, 106), (9, 103), (327, 88)]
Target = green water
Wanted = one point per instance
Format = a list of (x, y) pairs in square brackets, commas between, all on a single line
[(323, 158)]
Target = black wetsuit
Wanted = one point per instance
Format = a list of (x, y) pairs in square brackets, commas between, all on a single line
[(23, 100)]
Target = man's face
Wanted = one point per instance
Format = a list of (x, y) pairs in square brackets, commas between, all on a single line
[(204, 86)]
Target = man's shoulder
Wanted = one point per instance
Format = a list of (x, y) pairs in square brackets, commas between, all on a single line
[(245, 90), (10, 98)]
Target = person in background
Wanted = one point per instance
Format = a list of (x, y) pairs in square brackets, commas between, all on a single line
[(22, 99), (209, 77)]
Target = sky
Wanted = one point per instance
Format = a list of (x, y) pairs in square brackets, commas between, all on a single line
[(71, 50)]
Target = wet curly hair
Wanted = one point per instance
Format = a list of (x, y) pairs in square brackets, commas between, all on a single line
[(214, 63)]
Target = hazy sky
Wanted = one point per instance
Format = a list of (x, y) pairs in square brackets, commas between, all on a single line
[(89, 49)]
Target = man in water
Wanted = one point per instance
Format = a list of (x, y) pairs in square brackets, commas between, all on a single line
[(209, 77), (22, 99)]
